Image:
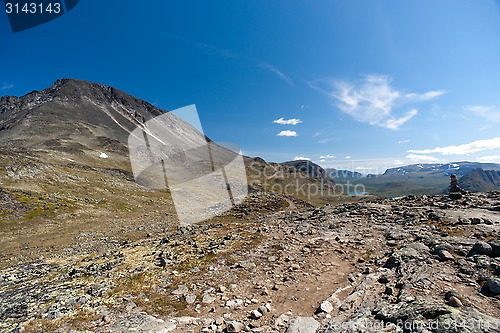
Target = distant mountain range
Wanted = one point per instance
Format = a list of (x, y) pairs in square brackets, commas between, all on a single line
[(422, 178), (410, 179), (458, 168)]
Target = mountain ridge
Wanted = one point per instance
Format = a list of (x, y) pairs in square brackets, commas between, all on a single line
[(479, 180)]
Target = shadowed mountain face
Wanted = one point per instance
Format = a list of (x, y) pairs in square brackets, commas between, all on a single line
[(343, 174), (72, 116), (311, 169), (480, 180)]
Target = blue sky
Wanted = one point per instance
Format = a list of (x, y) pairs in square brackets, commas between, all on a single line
[(363, 85)]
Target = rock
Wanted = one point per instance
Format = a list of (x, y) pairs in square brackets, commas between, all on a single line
[(234, 303), (255, 314), (481, 248), (392, 262), (303, 325), (455, 302), (281, 320), (181, 290), (445, 255), (476, 220), (190, 299), (208, 299), (495, 248), (383, 279), (453, 293), (440, 317), (325, 307), (493, 285), (263, 310), (268, 307), (344, 307), (234, 326), (248, 265)]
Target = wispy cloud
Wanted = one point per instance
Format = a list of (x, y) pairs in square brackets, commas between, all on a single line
[(301, 158), (283, 121), (372, 100), (6, 86), (208, 48), (327, 156), (324, 141), (489, 113), (468, 148), (403, 141), (287, 133), (348, 157), (395, 124), (276, 71), (423, 158)]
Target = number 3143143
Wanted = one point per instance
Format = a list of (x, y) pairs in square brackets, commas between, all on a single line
[(32, 8)]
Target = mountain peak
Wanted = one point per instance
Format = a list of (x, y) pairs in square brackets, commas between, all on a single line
[(70, 113)]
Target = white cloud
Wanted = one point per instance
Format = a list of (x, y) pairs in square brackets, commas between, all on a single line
[(348, 157), (423, 158), (283, 121), (374, 101), (489, 159), (327, 156), (301, 158), (468, 148), (403, 141), (276, 71), (398, 162), (6, 86), (488, 112), (287, 133)]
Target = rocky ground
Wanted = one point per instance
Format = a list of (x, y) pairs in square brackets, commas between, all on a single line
[(276, 264)]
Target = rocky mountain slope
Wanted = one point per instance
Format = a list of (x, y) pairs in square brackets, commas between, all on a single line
[(340, 175), (72, 116), (480, 180), (424, 264), (310, 168)]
